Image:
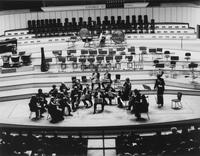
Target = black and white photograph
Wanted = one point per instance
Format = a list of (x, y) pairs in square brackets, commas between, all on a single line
[(99, 77)]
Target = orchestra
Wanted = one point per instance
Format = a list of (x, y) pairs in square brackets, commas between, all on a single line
[(65, 100)]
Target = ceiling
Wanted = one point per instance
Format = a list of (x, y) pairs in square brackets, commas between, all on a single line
[(35, 5)]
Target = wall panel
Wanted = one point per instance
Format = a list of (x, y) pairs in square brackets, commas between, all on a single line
[(168, 14), (160, 14), (156, 14), (23, 21), (114, 13), (173, 12), (121, 13), (150, 13)]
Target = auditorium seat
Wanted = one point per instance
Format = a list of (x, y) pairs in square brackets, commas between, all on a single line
[(91, 60), (26, 59), (109, 58), (73, 59)]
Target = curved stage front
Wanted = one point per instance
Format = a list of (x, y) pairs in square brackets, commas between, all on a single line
[(15, 112)]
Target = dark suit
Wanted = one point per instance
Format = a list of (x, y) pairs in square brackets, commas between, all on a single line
[(160, 86)]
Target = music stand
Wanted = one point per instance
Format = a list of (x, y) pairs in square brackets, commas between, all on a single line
[(146, 87)]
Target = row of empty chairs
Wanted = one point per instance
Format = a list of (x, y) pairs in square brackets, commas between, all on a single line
[(54, 27), (16, 60)]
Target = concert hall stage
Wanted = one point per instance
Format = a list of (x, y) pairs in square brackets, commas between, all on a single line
[(16, 114)]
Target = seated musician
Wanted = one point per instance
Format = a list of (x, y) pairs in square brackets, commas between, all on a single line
[(140, 104), (54, 91), (55, 113), (63, 87), (106, 79), (87, 96), (99, 98), (96, 79), (41, 98), (33, 106), (110, 93), (64, 103), (75, 98)]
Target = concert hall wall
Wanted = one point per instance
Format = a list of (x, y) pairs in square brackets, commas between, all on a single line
[(160, 14)]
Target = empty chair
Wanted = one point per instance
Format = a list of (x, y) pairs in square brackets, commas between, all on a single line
[(187, 56), (129, 63), (26, 59), (109, 58), (82, 60), (91, 60), (15, 60), (6, 61), (74, 62), (176, 103), (118, 59), (167, 54)]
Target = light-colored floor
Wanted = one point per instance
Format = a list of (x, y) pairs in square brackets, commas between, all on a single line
[(17, 112)]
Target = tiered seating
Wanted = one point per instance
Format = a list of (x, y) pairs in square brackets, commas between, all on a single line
[(42, 144), (54, 27), (174, 143)]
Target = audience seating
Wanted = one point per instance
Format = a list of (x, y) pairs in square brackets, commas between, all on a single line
[(173, 143)]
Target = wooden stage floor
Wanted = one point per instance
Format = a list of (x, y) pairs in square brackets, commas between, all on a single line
[(17, 113)]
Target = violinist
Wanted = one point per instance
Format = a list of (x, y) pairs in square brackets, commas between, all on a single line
[(106, 79), (41, 99), (110, 93), (96, 79), (87, 96)]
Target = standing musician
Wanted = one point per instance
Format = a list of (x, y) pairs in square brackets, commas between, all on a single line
[(160, 87), (96, 79), (126, 90), (34, 107), (87, 96), (106, 79), (75, 98), (110, 93)]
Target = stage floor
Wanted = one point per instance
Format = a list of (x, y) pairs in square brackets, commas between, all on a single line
[(17, 112)]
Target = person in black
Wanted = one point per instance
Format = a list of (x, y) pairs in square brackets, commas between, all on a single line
[(107, 79), (137, 104), (63, 88), (99, 95), (109, 93), (126, 90), (75, 98), (33, 106), (96, 79), (55, 113), (41, 98), (87, 96), (54, 91), (64, 103), (160, 87)]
